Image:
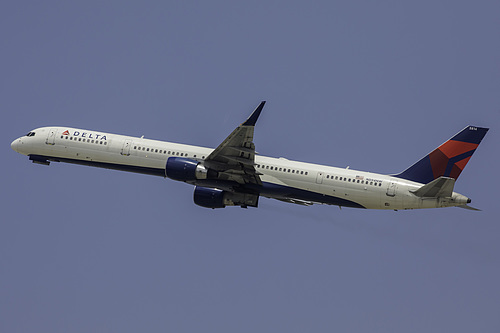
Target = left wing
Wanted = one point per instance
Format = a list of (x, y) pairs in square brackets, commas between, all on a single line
[(234, 158)]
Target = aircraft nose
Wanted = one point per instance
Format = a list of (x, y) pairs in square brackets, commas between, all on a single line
[(16, 145)]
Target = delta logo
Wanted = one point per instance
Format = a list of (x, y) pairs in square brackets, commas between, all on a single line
[(86, 135)]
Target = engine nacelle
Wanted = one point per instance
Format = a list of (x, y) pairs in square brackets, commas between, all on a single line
[(184, 169), (208, 197), (215, 198)]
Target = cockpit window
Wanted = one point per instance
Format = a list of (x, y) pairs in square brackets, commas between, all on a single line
[(31, 134)]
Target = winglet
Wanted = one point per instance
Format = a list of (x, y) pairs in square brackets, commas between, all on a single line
[(255, 115)]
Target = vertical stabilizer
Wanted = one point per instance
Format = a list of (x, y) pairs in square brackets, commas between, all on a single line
[(449, 159)]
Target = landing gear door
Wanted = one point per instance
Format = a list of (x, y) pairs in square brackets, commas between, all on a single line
[(51, 137), (126, 148)]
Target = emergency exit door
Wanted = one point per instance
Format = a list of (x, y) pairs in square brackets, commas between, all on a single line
[(126, 148)]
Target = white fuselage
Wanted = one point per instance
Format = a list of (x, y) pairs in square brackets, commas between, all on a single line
[(309, 183)]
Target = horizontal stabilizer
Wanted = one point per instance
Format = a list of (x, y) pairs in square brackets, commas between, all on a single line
[(441, 187), (469, 208)]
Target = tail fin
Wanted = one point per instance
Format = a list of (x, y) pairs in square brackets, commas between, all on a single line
[(447, 160)]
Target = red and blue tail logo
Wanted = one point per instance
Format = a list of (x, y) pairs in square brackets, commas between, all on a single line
[(447, 160)]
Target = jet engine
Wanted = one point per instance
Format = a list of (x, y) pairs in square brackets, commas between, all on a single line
[(185, 169), (216, 198)]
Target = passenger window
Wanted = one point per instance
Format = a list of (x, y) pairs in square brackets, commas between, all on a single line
[(156, 150)]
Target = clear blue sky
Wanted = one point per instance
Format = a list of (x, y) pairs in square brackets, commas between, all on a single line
[(373, 85)]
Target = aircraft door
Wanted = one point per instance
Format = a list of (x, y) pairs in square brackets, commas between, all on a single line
[(391, 188), (126, 148), (51, 137), (319, 178)]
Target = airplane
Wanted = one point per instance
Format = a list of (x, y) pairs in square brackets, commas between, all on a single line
[(233, 174)]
